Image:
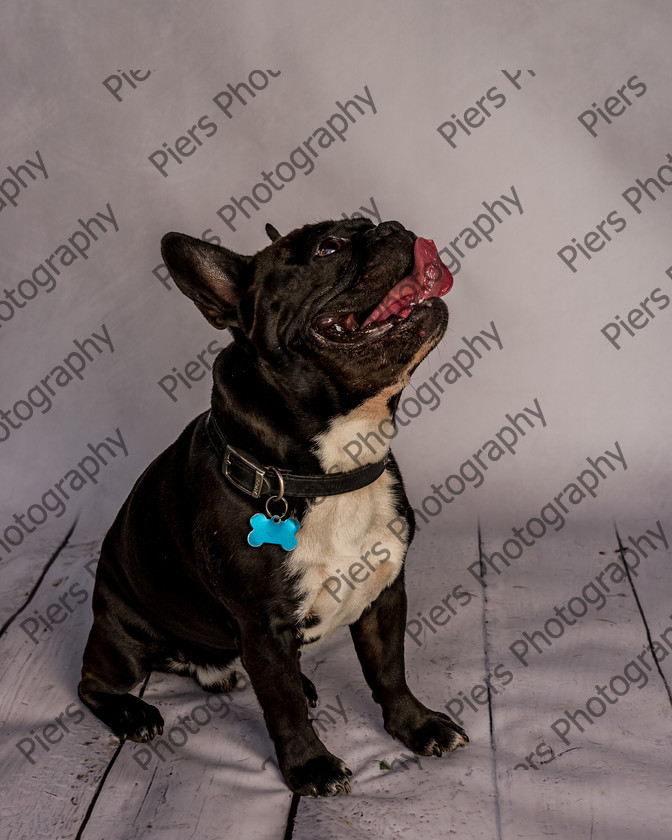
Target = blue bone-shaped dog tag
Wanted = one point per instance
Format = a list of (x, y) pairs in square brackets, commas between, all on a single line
[(273, 531)]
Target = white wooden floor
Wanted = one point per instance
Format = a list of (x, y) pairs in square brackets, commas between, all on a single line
[(575, 744)]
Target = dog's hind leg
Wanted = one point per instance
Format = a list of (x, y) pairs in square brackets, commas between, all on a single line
[(113, 664), (216, 678)]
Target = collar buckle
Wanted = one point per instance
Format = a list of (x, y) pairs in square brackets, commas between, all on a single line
[(259, 475)]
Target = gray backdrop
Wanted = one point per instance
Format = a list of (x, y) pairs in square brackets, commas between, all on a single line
[(464, 103)]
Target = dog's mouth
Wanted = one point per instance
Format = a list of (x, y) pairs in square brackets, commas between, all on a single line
[(428, 279)]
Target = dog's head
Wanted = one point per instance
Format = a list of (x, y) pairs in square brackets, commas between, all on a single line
[(360, 303)]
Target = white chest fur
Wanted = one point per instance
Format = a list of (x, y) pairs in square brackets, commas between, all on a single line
[(346, 553)]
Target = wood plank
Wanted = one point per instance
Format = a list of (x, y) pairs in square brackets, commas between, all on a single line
[(53, 751), (20, 572), (645, 534), (581, 732)]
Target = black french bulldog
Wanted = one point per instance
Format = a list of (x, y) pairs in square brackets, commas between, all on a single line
[(328, 324)]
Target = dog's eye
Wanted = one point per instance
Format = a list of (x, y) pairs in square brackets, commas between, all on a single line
[(329, 246)]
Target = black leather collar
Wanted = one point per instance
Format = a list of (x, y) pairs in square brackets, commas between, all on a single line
[(248, 475)]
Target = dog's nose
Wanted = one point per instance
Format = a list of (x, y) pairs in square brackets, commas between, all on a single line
[(385, 229)]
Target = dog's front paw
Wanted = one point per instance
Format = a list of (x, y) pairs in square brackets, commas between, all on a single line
[(325, 775), (429, 733)]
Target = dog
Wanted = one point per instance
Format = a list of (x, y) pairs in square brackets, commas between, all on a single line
[(328, 324)]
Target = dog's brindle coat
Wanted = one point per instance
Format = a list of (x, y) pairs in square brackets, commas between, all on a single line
[(179, 588)]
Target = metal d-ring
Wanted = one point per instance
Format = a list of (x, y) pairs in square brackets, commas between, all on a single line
[(281, 482), (279, 498)]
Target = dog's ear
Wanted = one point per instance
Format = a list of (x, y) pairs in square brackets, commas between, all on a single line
[(272, 233), (213, 277)]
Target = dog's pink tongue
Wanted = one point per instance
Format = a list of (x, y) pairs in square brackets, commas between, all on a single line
[(429, 278)]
